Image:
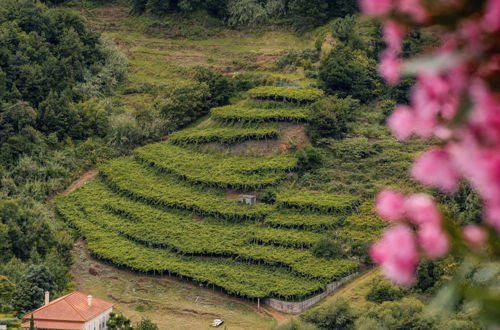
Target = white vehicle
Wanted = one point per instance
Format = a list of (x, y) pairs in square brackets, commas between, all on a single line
[(217, 322)]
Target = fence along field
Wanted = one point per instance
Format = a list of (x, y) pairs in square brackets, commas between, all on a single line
[(167, 207)]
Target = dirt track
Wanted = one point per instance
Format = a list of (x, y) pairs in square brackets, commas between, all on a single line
[(83, 179)]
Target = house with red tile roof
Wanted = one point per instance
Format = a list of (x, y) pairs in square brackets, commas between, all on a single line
[(73, 311)]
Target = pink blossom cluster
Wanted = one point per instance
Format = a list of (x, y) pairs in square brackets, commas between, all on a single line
[(456, 100), (398, 250)]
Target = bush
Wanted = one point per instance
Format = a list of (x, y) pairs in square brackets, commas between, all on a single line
[(381, 291), (327, 248), (297, 58), (246, 13), (146, 324), (183, 104), (219, 87), (345, 71), (337, 315), (428, 274), (331, 117), (308, 158)]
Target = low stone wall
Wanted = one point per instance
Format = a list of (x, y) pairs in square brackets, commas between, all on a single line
[(299, 307)]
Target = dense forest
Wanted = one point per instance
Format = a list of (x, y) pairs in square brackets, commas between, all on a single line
[(56, 121)]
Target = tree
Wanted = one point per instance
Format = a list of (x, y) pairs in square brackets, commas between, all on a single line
[(336, 315), (331, 116), (30, 293), (381, 291), (219, 88), (428, 274), (345, 71), (7, 289), (345, 31), (308, 158), (146, 324), (326, 248), (183, 104), (246, 13), (118, 322)]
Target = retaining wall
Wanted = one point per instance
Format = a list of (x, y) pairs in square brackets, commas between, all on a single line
[(299, 307)]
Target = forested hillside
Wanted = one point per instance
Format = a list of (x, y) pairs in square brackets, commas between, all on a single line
[(279, 98)]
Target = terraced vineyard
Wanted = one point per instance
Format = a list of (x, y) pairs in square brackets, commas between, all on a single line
[(170, 209)]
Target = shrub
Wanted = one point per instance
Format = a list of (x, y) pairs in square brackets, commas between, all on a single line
[(245, 13), (297, 58), (308, 158), (146, 324), (428, 274), (337, 315), (219, 88), (185, 103), (345, 71), (331, 116), (381, 291), (327, 248)]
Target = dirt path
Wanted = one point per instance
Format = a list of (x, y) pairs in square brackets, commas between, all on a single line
[(356, 282), (83, 179)]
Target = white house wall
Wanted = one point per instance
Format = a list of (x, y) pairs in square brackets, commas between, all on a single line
[(97, 322)]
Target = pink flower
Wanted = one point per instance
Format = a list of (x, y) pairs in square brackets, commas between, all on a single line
[(424, 126), (414, 9), (421, 210), (474, 234), (433, 241), (376, 7), (390, 66), (491, 21), (393, 35), (434, 168), (390, 205), (396, 252), (493, 216), (401, 122)]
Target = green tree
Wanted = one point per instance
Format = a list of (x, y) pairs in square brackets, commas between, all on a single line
[(336, 315), (219, 88), (308, 158), (30, 292), (183, 104), (345, 30), (348, 72), (118, 322), (382, 290), (327, 248), (246, 13), (146, 324), (428, 274), (331, 117), (7, 289)]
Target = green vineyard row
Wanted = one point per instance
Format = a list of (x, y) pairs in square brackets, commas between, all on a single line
[(308, 221), (214, 169), (285, 93), (365, 226), (234, 277), (225, 135), (131, 178), (317, 201), (234, 113)]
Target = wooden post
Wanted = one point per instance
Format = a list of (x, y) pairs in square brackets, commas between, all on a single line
[(258, 303)]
